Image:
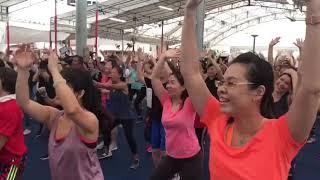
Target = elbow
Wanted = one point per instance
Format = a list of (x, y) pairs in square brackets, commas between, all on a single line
[(72, 111)]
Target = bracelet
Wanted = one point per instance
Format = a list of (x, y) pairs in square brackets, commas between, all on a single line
[(55, 84)]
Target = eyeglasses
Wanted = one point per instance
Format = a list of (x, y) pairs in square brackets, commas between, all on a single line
[(231, 84)]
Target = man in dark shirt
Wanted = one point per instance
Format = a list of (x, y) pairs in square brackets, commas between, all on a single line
[(213, 74)]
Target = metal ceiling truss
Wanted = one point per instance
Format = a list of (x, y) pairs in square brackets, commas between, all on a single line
[(240, 21), (138, 13), (231, 30), (4, 8)]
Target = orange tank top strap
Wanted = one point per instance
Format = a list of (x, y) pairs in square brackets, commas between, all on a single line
[(230, 134)]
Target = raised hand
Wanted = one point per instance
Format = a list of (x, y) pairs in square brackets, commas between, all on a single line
[(172, 53), (24, 57), (53, 60), (275, 41), (299, 43), (140, 55), (193, 4)]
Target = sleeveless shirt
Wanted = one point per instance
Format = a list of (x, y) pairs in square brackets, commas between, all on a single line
[(71, 159)]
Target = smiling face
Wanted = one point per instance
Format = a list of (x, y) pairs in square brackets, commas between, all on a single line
[(174, 88), (212, 71), (108, 67), (283, 84), (235, 95)]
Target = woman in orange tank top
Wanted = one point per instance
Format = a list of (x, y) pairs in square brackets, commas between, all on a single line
[(247, 142)]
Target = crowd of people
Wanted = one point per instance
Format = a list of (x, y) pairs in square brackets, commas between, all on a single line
[(259, 114)]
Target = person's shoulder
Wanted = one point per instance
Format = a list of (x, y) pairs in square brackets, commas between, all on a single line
[(9, 107), (273, 123)]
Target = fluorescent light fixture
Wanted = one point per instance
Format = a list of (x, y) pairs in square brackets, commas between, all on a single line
[(118, 20), (290, 2), (165, 8)]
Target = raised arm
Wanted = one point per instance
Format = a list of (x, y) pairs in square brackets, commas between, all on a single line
[(189, 65), (216, 65), (122, 86), (42, 114), (299, 44), (302, 113), (140, 73), (85, 120), (270, 50), (159, 68)]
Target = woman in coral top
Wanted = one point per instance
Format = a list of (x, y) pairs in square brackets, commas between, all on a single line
[(245, 144)]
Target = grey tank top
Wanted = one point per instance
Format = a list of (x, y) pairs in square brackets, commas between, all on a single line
[(71, 159)]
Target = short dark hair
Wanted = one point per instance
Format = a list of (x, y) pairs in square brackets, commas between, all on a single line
[(209, 65), (8, 79), (79, 57)]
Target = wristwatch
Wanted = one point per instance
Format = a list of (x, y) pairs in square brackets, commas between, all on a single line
[(313, 20)]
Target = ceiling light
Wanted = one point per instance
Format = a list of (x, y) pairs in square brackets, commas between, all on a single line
[(165, 8), (118, 20)]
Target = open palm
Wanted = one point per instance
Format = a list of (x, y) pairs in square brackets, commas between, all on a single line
[(299, 43), (24, 57), (275, 41), (173, 53)]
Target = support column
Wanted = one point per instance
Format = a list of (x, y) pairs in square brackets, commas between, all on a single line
[(254, 42), (200, 24), (8, 30), (97, 29), (162, 26), (122, 41), (8, 36), (81, 27)]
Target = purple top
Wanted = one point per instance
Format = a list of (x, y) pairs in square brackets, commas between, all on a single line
[(71, 159)]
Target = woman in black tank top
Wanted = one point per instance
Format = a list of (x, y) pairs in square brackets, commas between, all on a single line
[(284, 88)]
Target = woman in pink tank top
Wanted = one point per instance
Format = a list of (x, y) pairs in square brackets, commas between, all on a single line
[(74, 131)]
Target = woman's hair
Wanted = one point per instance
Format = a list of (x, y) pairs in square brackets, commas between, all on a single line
[(290, 79), (177, 74), (259, 73), (8, 79), (290, 54), (80, 79), (120, 71), (113, 62), (150, 62)]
